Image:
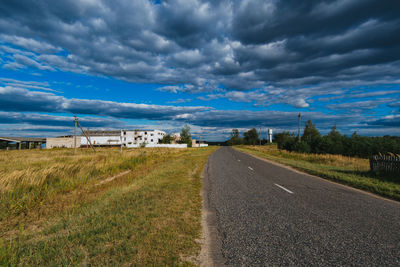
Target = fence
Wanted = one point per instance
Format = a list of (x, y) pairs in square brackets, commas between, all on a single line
[(167, 145), (386, 163)]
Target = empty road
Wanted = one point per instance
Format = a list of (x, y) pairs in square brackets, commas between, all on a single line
[(269, 215)]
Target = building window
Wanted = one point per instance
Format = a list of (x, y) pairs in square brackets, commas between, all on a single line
[(145, 132), (124, 132), (135, 138), (125, 139), (145, 138), (151, 140)]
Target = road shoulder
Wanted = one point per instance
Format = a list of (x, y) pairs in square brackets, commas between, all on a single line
[(211, 253)]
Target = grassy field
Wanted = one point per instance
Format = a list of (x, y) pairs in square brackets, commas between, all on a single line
[(354, 172), (141, 208)]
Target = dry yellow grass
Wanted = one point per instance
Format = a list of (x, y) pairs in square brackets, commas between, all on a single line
[(29, 177), (358, 164), (68, 211), (37, 167)]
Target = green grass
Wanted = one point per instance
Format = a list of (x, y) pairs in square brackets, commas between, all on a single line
[(150, 216), (350, 171)]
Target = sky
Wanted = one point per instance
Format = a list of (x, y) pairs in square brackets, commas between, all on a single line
[(214, 65)]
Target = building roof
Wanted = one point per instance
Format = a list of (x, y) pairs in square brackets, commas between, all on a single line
[(103, 133), (22, 139), (113, 132)]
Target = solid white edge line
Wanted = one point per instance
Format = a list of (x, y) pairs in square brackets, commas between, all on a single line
[(281, 187), (251, 168)]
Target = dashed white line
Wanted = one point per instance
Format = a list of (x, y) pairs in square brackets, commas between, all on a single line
[(251, 168), (281, 187), (239, 160)]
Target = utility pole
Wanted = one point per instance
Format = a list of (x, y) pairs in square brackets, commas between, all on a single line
[(75, 121), (199, 138), (299, 126), (260, 136), (87, 137), (120, 136), (88, 134)]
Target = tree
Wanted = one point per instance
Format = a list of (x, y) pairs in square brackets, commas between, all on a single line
[(166, 139), (333, 142), (310, 132), (235, 138), (235, 133), (301, 147), (251, 137), (312, 137), (282, 138), (186, 137)]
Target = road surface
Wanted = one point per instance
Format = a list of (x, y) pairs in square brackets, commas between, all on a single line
[(269, 215)]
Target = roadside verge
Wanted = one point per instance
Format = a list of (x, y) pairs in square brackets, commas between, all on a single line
[(210, 254)]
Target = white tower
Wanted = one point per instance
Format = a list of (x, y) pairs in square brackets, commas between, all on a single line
[(270, 135)]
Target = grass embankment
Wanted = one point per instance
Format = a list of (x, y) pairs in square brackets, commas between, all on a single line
[(354, 172), (61, 209)]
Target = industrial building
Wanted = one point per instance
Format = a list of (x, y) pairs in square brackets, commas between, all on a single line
[(62, 142), (27, 142), (128, 138)]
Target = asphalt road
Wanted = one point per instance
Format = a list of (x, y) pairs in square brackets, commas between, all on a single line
[(269, 215)]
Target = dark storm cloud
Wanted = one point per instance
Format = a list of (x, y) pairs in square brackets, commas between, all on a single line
[(358, 106), (260, 52), (127, 110), (395, 104), (17, 99), (16, 102), (267, 118), (22, 100), (221, 122), (387, 121), (18, 107), (192, 23), (209, 45), (276, 20), (57, 121)]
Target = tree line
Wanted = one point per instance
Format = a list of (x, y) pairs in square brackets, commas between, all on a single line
[(332, 143), (249, 138), (335, 143)]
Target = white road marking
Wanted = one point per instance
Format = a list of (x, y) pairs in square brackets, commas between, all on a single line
[(239, 160), (251, 168), (281, 187)]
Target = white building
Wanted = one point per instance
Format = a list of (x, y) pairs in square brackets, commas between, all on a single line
[(128, 138)]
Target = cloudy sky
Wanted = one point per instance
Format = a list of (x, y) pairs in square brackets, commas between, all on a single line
[(213, 65)]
